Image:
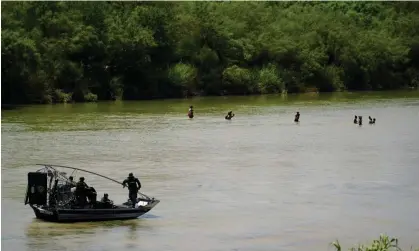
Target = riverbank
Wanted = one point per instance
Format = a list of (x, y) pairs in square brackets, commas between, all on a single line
[(135, 51), (284, 97)]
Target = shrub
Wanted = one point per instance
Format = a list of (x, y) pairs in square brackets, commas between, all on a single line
[(384, 243), (116, 88), (237, 80), (269, 81), (62, 97), (183, 75), (90, 97)]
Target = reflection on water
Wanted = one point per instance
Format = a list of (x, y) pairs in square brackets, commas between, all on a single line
[(61, 236), (42, 229)]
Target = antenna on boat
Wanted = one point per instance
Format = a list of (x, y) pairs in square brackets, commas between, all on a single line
[(83, 170)]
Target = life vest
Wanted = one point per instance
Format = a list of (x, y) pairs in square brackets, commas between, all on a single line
[(132, 184)]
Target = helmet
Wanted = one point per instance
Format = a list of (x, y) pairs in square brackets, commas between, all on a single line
[(130, 175)]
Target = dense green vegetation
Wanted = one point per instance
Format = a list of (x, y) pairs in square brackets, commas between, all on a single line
[(384, 243), (88, 51)]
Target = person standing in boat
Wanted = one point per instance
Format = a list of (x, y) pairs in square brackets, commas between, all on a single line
[(68, 187), (134, 185), (81, 191), (71, 182)]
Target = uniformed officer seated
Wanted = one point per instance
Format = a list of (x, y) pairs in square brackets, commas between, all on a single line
[(106, 202)]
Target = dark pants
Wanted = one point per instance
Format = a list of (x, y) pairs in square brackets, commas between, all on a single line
[(82, 200), (133, 197)]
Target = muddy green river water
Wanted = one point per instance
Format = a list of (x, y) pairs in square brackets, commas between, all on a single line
[(258, 182)]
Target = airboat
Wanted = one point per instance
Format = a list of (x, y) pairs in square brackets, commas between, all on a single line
[(51, 195)]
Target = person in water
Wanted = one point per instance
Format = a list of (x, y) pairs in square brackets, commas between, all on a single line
[(356, 120), (297, 117), (134, 185), (229, 115), (360, 120), (372, 121), (190, 112)]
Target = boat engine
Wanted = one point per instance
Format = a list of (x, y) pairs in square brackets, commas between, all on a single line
[(37, 188)]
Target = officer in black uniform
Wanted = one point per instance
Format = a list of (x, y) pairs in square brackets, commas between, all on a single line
[(81, 191), (106, 202), (134, 186), (71, 182)]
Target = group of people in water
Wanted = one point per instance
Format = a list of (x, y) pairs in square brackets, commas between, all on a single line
[(230, 115), (85, 195), (358, 120)]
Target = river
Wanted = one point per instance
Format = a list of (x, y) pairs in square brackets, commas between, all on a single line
[(257, 182)]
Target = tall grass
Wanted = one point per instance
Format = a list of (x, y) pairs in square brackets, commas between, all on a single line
[(384, 243)]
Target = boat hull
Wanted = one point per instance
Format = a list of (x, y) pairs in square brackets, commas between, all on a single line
[(83, 215)]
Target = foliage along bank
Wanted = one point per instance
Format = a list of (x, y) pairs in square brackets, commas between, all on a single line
[(88, 51), (383, 243)]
